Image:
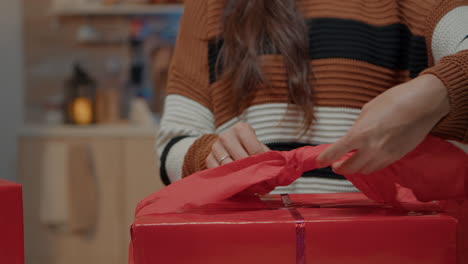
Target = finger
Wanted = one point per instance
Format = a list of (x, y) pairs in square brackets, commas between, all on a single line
[(353, 165), (211, 162), (220, 154), (225, 161), (265, 148), (335, 152), (233, 146), (249, 141)]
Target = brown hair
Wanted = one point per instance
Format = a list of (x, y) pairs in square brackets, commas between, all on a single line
[(256, 27)]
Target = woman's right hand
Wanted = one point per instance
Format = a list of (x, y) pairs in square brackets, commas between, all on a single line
[(237, 142)]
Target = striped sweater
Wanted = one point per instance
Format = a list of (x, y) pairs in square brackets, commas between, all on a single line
[(358, 49)]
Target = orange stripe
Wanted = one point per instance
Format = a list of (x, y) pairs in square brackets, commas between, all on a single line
[(214, 13), (179, 84), (412, 13), (339, 83)]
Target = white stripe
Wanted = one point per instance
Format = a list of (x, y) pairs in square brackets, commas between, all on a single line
[(307, 181), (185, 112), (292, 189), (328, 187), (317, 185), (460, 145), (182, 117), (175, 158), (449, 32), (281, 122), (282, 189)]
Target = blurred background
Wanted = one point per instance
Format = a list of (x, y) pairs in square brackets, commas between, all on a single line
[(83, 84)]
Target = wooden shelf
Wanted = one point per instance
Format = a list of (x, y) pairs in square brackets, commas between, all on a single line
[(111, 130), (116, 10)]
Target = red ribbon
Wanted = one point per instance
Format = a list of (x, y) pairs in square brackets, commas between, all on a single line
[(300, 229)]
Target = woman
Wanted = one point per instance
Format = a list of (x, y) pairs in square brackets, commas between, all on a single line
[(373, 76)]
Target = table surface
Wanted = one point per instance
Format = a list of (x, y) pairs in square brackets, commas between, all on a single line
[(111, 130)]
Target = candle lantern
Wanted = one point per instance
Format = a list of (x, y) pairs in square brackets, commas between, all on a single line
[(80, 98)]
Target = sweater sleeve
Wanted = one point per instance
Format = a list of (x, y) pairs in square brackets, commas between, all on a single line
[(187, 119), (447, 35)]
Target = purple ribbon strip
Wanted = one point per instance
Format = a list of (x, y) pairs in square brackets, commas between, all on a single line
[(300, 229)]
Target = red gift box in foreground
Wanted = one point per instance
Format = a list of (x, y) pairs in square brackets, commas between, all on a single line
[(11, 223), (313, 228)]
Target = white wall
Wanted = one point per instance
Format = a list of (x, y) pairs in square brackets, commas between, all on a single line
[(11, 83)]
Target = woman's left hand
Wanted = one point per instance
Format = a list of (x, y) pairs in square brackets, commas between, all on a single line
[(390, 126)]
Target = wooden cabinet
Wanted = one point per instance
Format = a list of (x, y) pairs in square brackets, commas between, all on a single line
[(123, 163)]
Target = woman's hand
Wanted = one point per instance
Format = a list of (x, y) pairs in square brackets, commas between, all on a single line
[(236, 143), (390, 126)]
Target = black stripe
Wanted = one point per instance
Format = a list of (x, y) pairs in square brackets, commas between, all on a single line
[(214, 47), (162, 170), (326, 173), (465, 38), (391, 46), (286, 146)]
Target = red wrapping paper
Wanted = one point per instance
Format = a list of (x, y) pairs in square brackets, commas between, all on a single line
[(11, 223), (435, 170), (339, 228)]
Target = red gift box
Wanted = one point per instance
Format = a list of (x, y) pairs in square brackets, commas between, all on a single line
[(313, 228), (11, 223)]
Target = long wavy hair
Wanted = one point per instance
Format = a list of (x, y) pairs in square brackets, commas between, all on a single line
[(256, 27)]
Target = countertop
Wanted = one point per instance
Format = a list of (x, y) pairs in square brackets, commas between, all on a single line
[(114, 130)]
